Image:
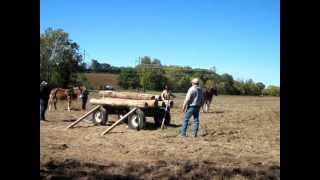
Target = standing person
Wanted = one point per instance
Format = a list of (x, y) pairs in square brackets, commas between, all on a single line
[(166, 94), (44, 96), (84, 97), (191, 106)]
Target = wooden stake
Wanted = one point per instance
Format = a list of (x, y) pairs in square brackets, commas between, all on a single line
[(82, 117), (116, 123)]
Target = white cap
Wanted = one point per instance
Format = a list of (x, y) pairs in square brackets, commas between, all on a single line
[(195, 81), (44, 83)]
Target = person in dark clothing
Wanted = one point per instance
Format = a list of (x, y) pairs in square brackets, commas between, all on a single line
[(44, 96), (84, 97)]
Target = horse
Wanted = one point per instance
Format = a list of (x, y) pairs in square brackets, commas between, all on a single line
[(63, 94), (207, 95)]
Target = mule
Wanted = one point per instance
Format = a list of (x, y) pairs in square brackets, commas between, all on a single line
[(63, 94), (207, 95)]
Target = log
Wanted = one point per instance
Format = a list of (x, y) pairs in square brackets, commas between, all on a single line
[(84, 116), (128, 95), (125, 102), (116, 123)]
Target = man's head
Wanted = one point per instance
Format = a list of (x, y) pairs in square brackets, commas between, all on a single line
[(195, 81)]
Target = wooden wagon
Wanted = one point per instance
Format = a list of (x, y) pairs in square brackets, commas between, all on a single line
[(121, 103)]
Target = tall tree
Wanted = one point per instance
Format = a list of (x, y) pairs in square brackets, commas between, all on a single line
[(261, 87), (146, 60), (60, 58)]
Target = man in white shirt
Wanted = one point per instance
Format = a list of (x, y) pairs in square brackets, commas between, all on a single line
[(191, 107)]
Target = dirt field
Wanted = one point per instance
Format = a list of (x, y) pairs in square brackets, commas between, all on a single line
[(102, 79), (238, 139)]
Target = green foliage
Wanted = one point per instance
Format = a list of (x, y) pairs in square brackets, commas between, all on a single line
[(103, 67), (151, 78), (272, 91), (260, 86), (129, 78), (82, 80), (146, 60), (59, 58)]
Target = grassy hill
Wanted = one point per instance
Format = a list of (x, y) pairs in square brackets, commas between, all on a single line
[(101, 79)]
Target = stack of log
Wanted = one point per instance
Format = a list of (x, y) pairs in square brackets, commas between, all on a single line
[(130, 99), (129, 95)]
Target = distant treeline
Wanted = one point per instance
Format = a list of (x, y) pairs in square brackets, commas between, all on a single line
[(61, 64), (151, 75)]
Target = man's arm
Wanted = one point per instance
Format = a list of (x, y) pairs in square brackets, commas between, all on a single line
[(162, 96), (187, 99)]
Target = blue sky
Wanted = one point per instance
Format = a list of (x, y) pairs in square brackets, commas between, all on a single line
[(239, 37)]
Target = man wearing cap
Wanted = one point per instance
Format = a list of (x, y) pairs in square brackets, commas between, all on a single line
[(191, 107), (44, 96)]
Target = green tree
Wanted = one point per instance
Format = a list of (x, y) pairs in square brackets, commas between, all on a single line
[(129, 78), (228, 81), (59, 58), (260, 86), (156, 62), (95, 66), (151, 78), (146, 60), (272, 91)]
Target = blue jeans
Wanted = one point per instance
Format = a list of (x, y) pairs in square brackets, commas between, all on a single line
[(191, 111), (43, 108)]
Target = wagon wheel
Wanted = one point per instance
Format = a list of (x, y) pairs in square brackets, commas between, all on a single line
[(137, 120), (100, 117)]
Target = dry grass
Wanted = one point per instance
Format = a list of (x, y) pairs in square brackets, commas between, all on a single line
[(239, 139), (102, 79)]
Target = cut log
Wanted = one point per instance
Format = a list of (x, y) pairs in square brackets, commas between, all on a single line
[(116, 123), (128, 95), (82, 117), (125, 102)]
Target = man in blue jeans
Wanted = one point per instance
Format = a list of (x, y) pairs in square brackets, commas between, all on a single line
[(191, 107)]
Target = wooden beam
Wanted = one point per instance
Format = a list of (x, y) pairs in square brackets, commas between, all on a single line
[(116, 123), (124, 102), (82, 117)]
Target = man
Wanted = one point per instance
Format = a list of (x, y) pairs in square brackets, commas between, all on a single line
[(191, 106), (44, 96), (84, 97), (166, 94)]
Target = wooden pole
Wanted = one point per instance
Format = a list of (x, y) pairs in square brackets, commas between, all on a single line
[(116, 123), (82, 117)]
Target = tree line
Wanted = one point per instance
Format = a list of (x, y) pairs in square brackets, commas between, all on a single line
[(151, 75), (61, 64)]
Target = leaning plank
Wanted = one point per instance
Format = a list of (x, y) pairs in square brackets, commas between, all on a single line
[(116, 123), (125, 102), (82, 117), (128, 95)]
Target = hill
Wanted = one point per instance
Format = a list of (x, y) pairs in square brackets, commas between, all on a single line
[(100, 79)]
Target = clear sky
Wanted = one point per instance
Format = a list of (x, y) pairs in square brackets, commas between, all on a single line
[(239, 37)]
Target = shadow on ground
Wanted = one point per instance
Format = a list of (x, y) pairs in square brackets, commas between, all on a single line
[(71, 169)]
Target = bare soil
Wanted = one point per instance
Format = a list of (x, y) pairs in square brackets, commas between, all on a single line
[(238, 139)]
